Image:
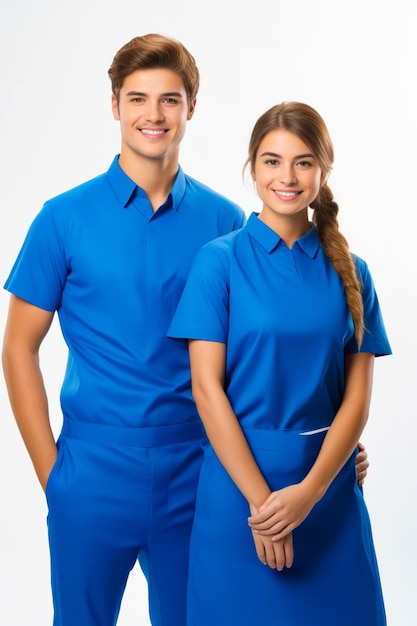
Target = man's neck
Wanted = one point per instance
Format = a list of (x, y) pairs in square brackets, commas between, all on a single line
[(155, 176)]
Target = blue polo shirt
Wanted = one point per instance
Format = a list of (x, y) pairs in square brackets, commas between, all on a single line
[(283, 315), (114, 270)]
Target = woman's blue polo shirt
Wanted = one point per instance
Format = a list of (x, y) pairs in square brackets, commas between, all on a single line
[(283, 315), (114, 270)]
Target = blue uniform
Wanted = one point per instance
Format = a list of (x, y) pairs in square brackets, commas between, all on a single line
[(283, 315), (124, 482)]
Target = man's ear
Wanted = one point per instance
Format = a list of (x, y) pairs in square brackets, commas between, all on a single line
[(191, 109), (115, 107)]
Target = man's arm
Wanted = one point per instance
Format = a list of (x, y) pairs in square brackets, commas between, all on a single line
[(26, 327)]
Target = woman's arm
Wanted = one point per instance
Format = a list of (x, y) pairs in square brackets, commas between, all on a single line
[(287, 508), (26, 327), (207, 359)]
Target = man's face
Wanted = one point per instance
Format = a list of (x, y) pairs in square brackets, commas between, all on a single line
[(153, 111)]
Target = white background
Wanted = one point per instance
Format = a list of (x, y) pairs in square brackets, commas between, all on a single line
[(356, 63)]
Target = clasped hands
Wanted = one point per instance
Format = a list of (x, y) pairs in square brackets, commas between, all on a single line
[(272, 524)]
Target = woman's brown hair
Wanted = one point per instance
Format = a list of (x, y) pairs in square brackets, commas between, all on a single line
[(304, 121)]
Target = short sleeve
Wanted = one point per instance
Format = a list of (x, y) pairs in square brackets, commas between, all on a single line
[(203, 309), (40, 270), (375, 338)]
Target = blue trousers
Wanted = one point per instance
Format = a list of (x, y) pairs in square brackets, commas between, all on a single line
[(116, 495)]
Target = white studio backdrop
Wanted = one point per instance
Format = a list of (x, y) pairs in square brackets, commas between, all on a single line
[(355, 63)]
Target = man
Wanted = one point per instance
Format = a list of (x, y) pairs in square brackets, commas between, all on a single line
[(111, 257)]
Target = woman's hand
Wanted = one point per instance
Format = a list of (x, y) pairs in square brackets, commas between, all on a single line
[(282, 511), (276, 554)]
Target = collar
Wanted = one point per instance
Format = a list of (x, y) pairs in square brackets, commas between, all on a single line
[(124, 187), (270, 240)]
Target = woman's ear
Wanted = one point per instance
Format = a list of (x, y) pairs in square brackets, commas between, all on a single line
[(326, 177)]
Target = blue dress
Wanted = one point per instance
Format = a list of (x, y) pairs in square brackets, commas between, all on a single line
[(283, 315)]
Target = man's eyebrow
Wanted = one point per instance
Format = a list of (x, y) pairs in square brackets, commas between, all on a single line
[(168, 94)]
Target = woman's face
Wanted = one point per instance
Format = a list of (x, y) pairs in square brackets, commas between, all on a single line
[(287, 176)]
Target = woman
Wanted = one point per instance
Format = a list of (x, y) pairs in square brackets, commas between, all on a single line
[(283, 324)]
